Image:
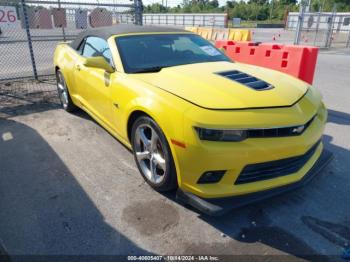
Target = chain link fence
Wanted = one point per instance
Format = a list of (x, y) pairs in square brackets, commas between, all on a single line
[(323, 29), (30, 31), (215, 20)]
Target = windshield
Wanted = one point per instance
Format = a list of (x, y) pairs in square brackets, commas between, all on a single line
[(150, 53)]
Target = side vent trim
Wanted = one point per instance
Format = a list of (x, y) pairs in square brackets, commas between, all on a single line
[(247, 80)]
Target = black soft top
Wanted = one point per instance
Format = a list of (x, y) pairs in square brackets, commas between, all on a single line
[(107, 32)]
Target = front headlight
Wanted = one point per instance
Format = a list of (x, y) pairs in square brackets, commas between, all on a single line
[(221, 134)]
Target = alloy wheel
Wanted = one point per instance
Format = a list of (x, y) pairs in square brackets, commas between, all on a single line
[(150, 154), (62, 90)]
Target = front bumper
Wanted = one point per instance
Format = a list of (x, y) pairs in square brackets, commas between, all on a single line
[(219, 206), (202, 156)]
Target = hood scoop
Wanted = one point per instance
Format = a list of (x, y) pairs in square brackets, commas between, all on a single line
[(246, 79)]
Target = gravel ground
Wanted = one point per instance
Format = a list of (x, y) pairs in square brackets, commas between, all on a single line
[(68, 187)]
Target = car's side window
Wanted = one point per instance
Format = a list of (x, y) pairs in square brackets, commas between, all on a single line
[(95, 46)]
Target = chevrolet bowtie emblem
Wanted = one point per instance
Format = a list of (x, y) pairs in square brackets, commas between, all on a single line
[(298, 130)]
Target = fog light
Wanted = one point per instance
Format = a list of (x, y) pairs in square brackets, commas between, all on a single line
[(211, 177)]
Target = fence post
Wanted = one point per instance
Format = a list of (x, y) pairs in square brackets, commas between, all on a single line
[(317, 25), (330, 28), (348, 41), (138, 11), (63, 30), (300, 23), (29, 39)]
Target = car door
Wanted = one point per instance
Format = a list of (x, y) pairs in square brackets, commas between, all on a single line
[(94, 84)]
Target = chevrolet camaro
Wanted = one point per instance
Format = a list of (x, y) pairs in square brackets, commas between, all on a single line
[(223, 133)]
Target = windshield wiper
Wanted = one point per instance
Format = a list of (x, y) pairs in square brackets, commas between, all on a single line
[(148, 69)]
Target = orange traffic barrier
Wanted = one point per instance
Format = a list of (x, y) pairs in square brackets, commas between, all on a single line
[(298, 61), (205, 32), (221, 33), (223, 43), (239, 34), (192, 29)]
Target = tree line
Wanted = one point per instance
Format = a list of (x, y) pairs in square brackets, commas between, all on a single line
[(253, 10)]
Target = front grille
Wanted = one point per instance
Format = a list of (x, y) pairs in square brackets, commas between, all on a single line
[(247, 80), (279, 131), (273, 169)]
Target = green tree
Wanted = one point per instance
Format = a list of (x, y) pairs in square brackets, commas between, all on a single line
[(214, 3), (287, 2), (257, 10), (259, 2), (230, 4), (155, 8)]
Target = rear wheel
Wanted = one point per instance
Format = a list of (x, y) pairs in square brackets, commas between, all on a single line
[(63, 93), (152, 154)]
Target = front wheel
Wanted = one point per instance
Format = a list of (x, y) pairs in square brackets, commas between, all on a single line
[(63, 93), (152, 155)]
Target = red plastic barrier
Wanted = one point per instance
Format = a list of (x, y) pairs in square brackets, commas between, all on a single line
[(299, 61), (244, 52), (223, 43)]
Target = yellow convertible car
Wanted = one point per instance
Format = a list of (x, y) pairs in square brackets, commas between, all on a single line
[(223, 133)]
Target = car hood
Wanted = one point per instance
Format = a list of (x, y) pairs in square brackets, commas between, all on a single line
[(201, 84)]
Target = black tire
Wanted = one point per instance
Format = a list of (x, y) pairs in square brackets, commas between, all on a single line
[(66, 101), (168, 178)]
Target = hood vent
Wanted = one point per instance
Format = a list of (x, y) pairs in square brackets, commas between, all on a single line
[(247, 80)]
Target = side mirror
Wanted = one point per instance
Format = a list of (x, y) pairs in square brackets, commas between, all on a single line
[(98, 62)]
